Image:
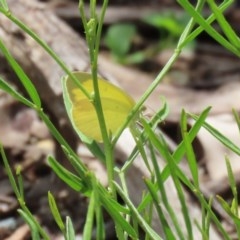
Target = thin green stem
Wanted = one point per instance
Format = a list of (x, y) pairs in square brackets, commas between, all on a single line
[(209, 20), (45, 47), (148, 92), (75, 159), (183, 41), (93, 36), (20, 197)]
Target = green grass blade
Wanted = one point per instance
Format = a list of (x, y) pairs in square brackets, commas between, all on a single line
[(237, 119), (55, 213), (100, 222), (225, 26), (192, 162), (227, 208), (179, 152), (207, 220), (20, 181), (115, 210), (224, 140), (210, 30), (70, 232), (181, 196), (69, 178), (18, 193), (137, 215), (88, 226), (159, 186), (9, 173), (72, 156), (166, 228), (232, 183), (161, 114), (11, 91), (44, 45), (26, 82), (31, 224), (223, 6), (94, 206), (3, 4)]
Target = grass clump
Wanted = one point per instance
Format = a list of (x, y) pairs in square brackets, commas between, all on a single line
[(150, 144)]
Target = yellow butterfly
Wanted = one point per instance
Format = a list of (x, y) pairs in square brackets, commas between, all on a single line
[(116, 105)]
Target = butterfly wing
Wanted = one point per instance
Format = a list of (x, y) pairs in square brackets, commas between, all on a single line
[(116, 106)]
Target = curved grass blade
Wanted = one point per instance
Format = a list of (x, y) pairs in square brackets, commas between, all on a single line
[(55, 212), (225, 26), (3, 4), (218, 135), (31, 224), (153, 235), (208, 28), (69, 178), (70, 232), (26, 82), (11, 91)]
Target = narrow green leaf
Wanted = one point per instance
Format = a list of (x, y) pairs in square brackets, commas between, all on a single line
[(192, 162), (3, 3), (88, 226), (179, 152), (174, 170), (237, 118), (70, 232), (181, 175), (69, 178), (100, 224), (231, 178), (224, 140), (206, 221), (233, 206), (20, 181), (166, 228), (11, 91), (9, 173), (140, 219), (159, 186), (99, 221), (55, 212), (115, 205), (18, 194), (208, 28), (33, 227), (74, 159), (169, 20), (226, 207), (226, 27), (28, 85), (233, 186), (204, 235), (161, 115), (223, 6), (112, 208)]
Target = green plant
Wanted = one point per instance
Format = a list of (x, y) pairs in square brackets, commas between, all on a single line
[(119, 37), (169, 21), (127, 217)]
